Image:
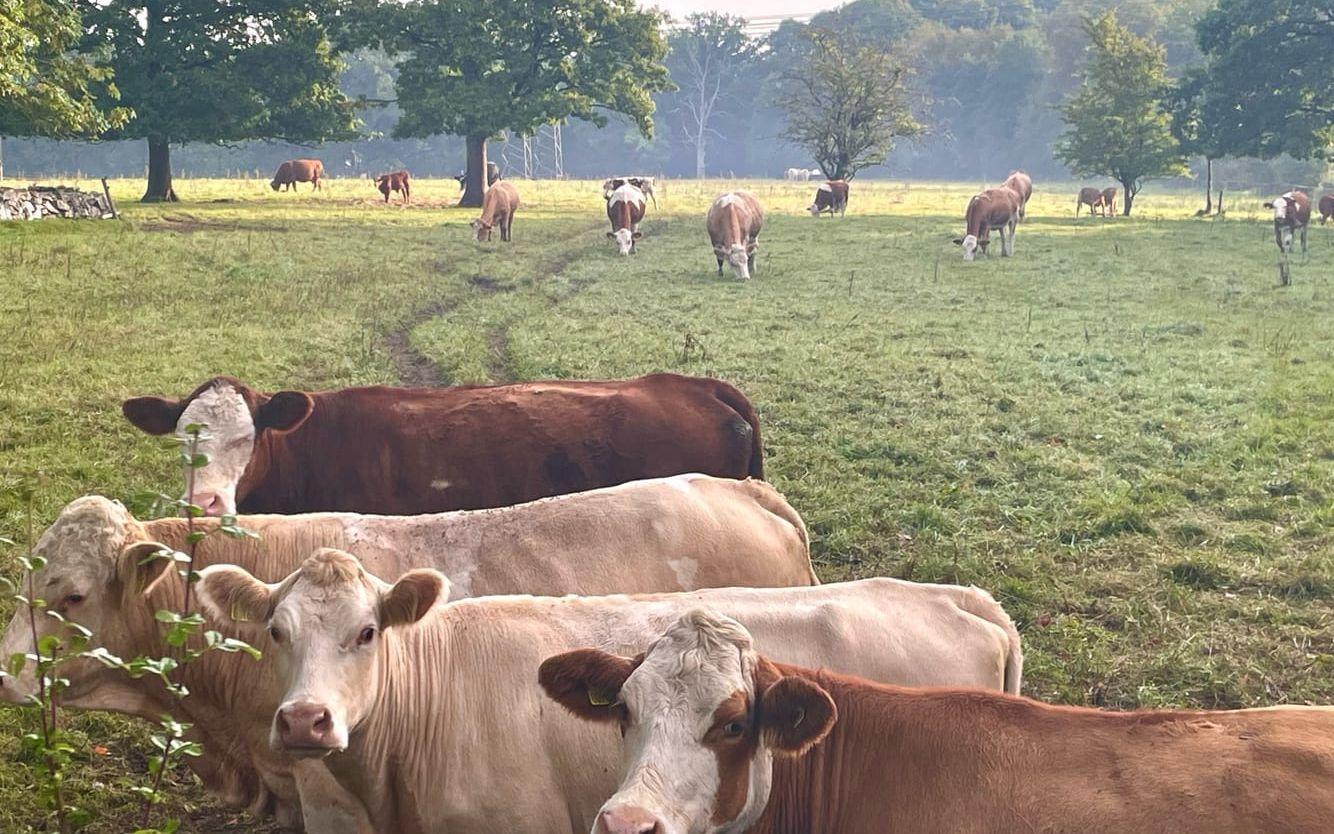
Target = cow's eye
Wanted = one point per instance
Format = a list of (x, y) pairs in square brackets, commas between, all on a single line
[(73, 599), (367, 634), (734, 729), (275, 634)]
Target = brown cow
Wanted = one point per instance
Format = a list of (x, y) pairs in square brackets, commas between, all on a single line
[(403, 451), (719, 738), (498, 207), (1108, 202), (996, 208), (1021, 184), (831, 196), (1088, 196), (1292, 215), (734, 222), (294, 171), (1326, 208), (625, 210), (400, 181)]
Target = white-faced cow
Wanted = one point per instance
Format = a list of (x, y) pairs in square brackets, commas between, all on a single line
[(1292, 216), (429, 714), (1326, 208), (994, 208), (718, 738), (734, 222), (1022, 185), (673, 534), (625, 210), (399, 451), (498, 207), (831, 197), (1088, 196)]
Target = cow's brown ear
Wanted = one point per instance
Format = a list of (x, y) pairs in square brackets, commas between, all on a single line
[(611, 234), (284, 411), (231, 595), (588, 682), (154, 415), (795, 715), (142, 564), (408, 599), (1269, 205), (958, 241), (637, 235)]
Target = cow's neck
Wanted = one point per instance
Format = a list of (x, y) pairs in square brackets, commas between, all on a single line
[(303, 464)]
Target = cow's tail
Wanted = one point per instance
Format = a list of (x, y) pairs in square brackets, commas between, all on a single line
[(982, 604), (732, 397)]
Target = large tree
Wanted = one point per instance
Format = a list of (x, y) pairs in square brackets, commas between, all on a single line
[(1196, 124), (218, 71), (478, 68), (846, 104), (45, 88), (1116, 123), (1270, 72), (710, 60)]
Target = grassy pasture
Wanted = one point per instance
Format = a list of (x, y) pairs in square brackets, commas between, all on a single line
[(1126, 432)]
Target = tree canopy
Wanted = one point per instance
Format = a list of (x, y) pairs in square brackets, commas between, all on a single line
[(709, 58), (1116, 124)]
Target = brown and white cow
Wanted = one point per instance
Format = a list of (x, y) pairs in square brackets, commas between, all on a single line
[(994, 208), (679, 533), (734, 222), (498, 207), (1088, 196), (1108, 202), (644, 184), (400, 451), (1326, 208), (718, 738), (294, 171), (1292, 216), (625, 210), (1022, 185), (398, 181), (429, 716), (832, 197)]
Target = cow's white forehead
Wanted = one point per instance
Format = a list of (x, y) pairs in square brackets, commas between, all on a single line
[(1281, 208), (86, 536), (699, 663), (223, 410)]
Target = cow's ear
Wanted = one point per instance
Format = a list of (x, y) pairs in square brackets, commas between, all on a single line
[(795, 715), (611, 234), (142, 564), (637, 235), (958, 241), (588, 682), (408, 599), (154, 415), (1269, 205), (232, 596), (284, 411)]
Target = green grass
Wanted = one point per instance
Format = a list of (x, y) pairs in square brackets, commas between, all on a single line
[(1126, 432)]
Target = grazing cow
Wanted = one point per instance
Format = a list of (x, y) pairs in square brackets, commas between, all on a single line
[(832, 197), (790, 173), (492, 176), (498, 207), (996, 208), (401, 451), (1292, 216), (294, 171), (644, 184), (1088, 196), (398, 181), (438, 727), (734, 222), (1326, 208), (1022, 185), (1108, 202), (679, 533), (625, 210), (719, 738)]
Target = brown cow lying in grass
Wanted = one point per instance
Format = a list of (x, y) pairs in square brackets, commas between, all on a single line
[(398, 181), (718, 738), (498, 207), (294, 171)]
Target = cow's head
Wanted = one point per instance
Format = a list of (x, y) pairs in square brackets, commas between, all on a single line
[(98, 572), (382, 183), (235, 417), (738, 256), (481, 230), (625, 240), (702, 717), (325, 626), (1284, 210), (970, 246), (274, 184)]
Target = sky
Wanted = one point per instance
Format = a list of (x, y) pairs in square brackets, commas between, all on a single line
[(744, 8)]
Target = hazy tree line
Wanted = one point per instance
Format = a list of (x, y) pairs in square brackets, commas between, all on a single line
[(962, 89)]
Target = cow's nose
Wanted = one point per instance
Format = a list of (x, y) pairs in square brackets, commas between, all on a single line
[(305, 725), (210, 502), (627, 819)]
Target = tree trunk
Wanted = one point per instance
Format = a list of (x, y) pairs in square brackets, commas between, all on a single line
[(159, 171), (1208, 185), (1128, 195), (475, 189), (699, 156)]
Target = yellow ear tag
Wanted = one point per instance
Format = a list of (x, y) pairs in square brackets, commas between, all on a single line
[(599, 698), (238, 615)]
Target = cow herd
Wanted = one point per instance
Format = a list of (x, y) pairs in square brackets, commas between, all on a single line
[(571, 606)]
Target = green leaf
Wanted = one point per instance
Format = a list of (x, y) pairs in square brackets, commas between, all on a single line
[(14, 667)]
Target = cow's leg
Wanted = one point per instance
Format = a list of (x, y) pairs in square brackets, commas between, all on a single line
[(1303, 240), (720, 267)]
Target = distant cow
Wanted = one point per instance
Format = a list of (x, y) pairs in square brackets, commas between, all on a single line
[(1326, 208), (399, 181), (1292, 215), (1108, 202), (625, 210), (498, 207), (799, 174), (492, 176), (402, 451), (644, 184), (1088, 196), (294, 171), (830, 197), (1021, 184), (716, 737), (734, 223), (994, 208)]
